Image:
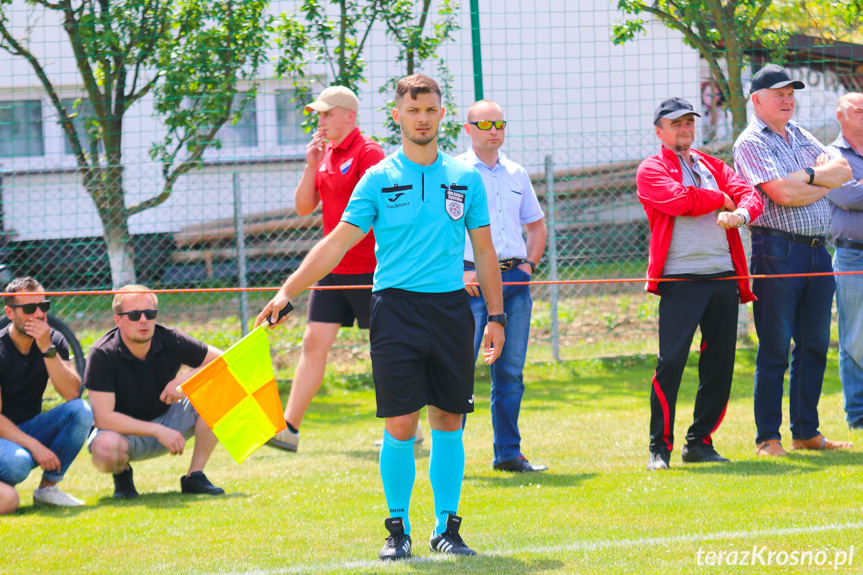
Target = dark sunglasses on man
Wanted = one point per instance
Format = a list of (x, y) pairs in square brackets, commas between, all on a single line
[(135, 315), (29, 308), (487, 124)]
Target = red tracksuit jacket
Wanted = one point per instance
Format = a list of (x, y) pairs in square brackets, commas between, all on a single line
[(661, 191)]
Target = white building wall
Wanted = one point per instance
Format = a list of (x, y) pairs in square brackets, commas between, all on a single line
[(565, 88)]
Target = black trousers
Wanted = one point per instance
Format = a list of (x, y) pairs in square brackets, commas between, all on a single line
[(683, 306)]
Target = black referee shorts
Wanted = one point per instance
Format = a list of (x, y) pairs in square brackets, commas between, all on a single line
[(422, 351), (341, 306)]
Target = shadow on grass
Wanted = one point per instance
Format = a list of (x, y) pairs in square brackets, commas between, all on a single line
[(519, 480), (484, 564), (746, 468), (53, 511), (165, 500), (813, 462), (364, 454)]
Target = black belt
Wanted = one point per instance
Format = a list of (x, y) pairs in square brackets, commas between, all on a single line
[(853, 244), (505, 265), (811, 241)]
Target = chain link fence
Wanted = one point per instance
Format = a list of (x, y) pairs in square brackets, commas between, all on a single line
[(579, 109)]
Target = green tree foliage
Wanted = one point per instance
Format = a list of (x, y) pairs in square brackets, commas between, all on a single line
[(188, 55), (406, 25), (723, 32), (836, 20), (311, 35)]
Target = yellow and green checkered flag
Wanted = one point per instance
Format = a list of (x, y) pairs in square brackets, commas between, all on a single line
[(237, 397)]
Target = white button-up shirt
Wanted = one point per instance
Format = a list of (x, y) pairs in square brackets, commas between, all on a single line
[(511, 202)]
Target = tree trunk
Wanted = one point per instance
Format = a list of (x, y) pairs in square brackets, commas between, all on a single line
[(106, 189), (120, 256)]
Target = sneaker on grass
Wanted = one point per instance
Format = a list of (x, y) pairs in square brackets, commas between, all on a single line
[(53, 496), (285, 439), (450, 541), (124, 485), (398, 545), (197, 482)]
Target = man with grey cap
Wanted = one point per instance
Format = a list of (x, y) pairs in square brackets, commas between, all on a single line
[(846, 205), (336, 159), (694, 204), (793, 172)]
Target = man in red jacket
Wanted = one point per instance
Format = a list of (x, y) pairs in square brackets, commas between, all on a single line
[(694, 204)]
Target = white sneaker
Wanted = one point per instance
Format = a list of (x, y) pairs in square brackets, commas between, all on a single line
[(285, 439), (53, 496)]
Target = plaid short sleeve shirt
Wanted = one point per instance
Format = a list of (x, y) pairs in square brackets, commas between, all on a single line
[(762, 155)]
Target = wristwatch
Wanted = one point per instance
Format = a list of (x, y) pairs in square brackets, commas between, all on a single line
[(52, 352), (811, 173), (499, 318), (531, 264)]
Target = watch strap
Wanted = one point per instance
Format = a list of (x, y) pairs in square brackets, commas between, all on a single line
[(498, 318)]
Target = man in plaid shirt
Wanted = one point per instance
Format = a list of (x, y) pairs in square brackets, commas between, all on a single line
[(793, 172)]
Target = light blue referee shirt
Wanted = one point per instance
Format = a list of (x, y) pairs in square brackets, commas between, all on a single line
[(511, 202), (762, 155), (419, 214)]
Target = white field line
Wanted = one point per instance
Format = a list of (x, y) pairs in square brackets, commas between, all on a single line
[(578, 546)]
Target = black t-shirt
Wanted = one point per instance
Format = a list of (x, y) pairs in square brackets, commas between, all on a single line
[(23, 378), (138, 384)]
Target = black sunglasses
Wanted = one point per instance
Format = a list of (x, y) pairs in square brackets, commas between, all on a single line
[(29, 308), (135, 315), (487, 124)]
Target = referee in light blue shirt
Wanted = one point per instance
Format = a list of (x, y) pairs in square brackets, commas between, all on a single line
[(793, 171), (512, 203), (420, 202)]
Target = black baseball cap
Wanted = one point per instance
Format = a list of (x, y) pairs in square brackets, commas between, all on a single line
[(773, 77), (672, 109)]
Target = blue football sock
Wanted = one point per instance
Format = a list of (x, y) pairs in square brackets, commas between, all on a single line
[(446, 471), (398, 471)]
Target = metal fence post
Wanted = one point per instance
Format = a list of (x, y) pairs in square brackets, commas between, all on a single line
[(552, 257), (477, 50), (241, 257)]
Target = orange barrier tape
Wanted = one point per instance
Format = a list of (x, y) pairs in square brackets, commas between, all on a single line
[(558, 282)]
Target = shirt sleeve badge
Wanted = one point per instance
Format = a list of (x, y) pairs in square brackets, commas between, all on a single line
[(454, 202)]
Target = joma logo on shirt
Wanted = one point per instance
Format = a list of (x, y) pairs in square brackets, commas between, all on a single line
[(395, 197)]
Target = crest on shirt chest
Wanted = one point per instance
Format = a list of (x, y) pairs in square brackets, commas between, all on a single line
[(454, 200)]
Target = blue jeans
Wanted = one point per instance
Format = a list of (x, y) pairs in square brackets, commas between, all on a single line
[(507, 384), (786, 309), (849, 303), (63, 430)]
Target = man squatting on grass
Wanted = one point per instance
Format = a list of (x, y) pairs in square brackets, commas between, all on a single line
[(511, 203), (139, 414), (846, 227), (336, 159), (694, 204), (419, 201), (793, 172), (30, 354)]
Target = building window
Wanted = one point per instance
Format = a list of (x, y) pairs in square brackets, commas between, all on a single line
[(21, 128), (243, 133), (85, 122), (289, 118)]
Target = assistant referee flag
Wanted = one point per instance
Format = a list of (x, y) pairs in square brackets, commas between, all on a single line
[(237, 397)]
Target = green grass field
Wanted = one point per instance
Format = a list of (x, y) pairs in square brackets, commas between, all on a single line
[(596, 511)]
